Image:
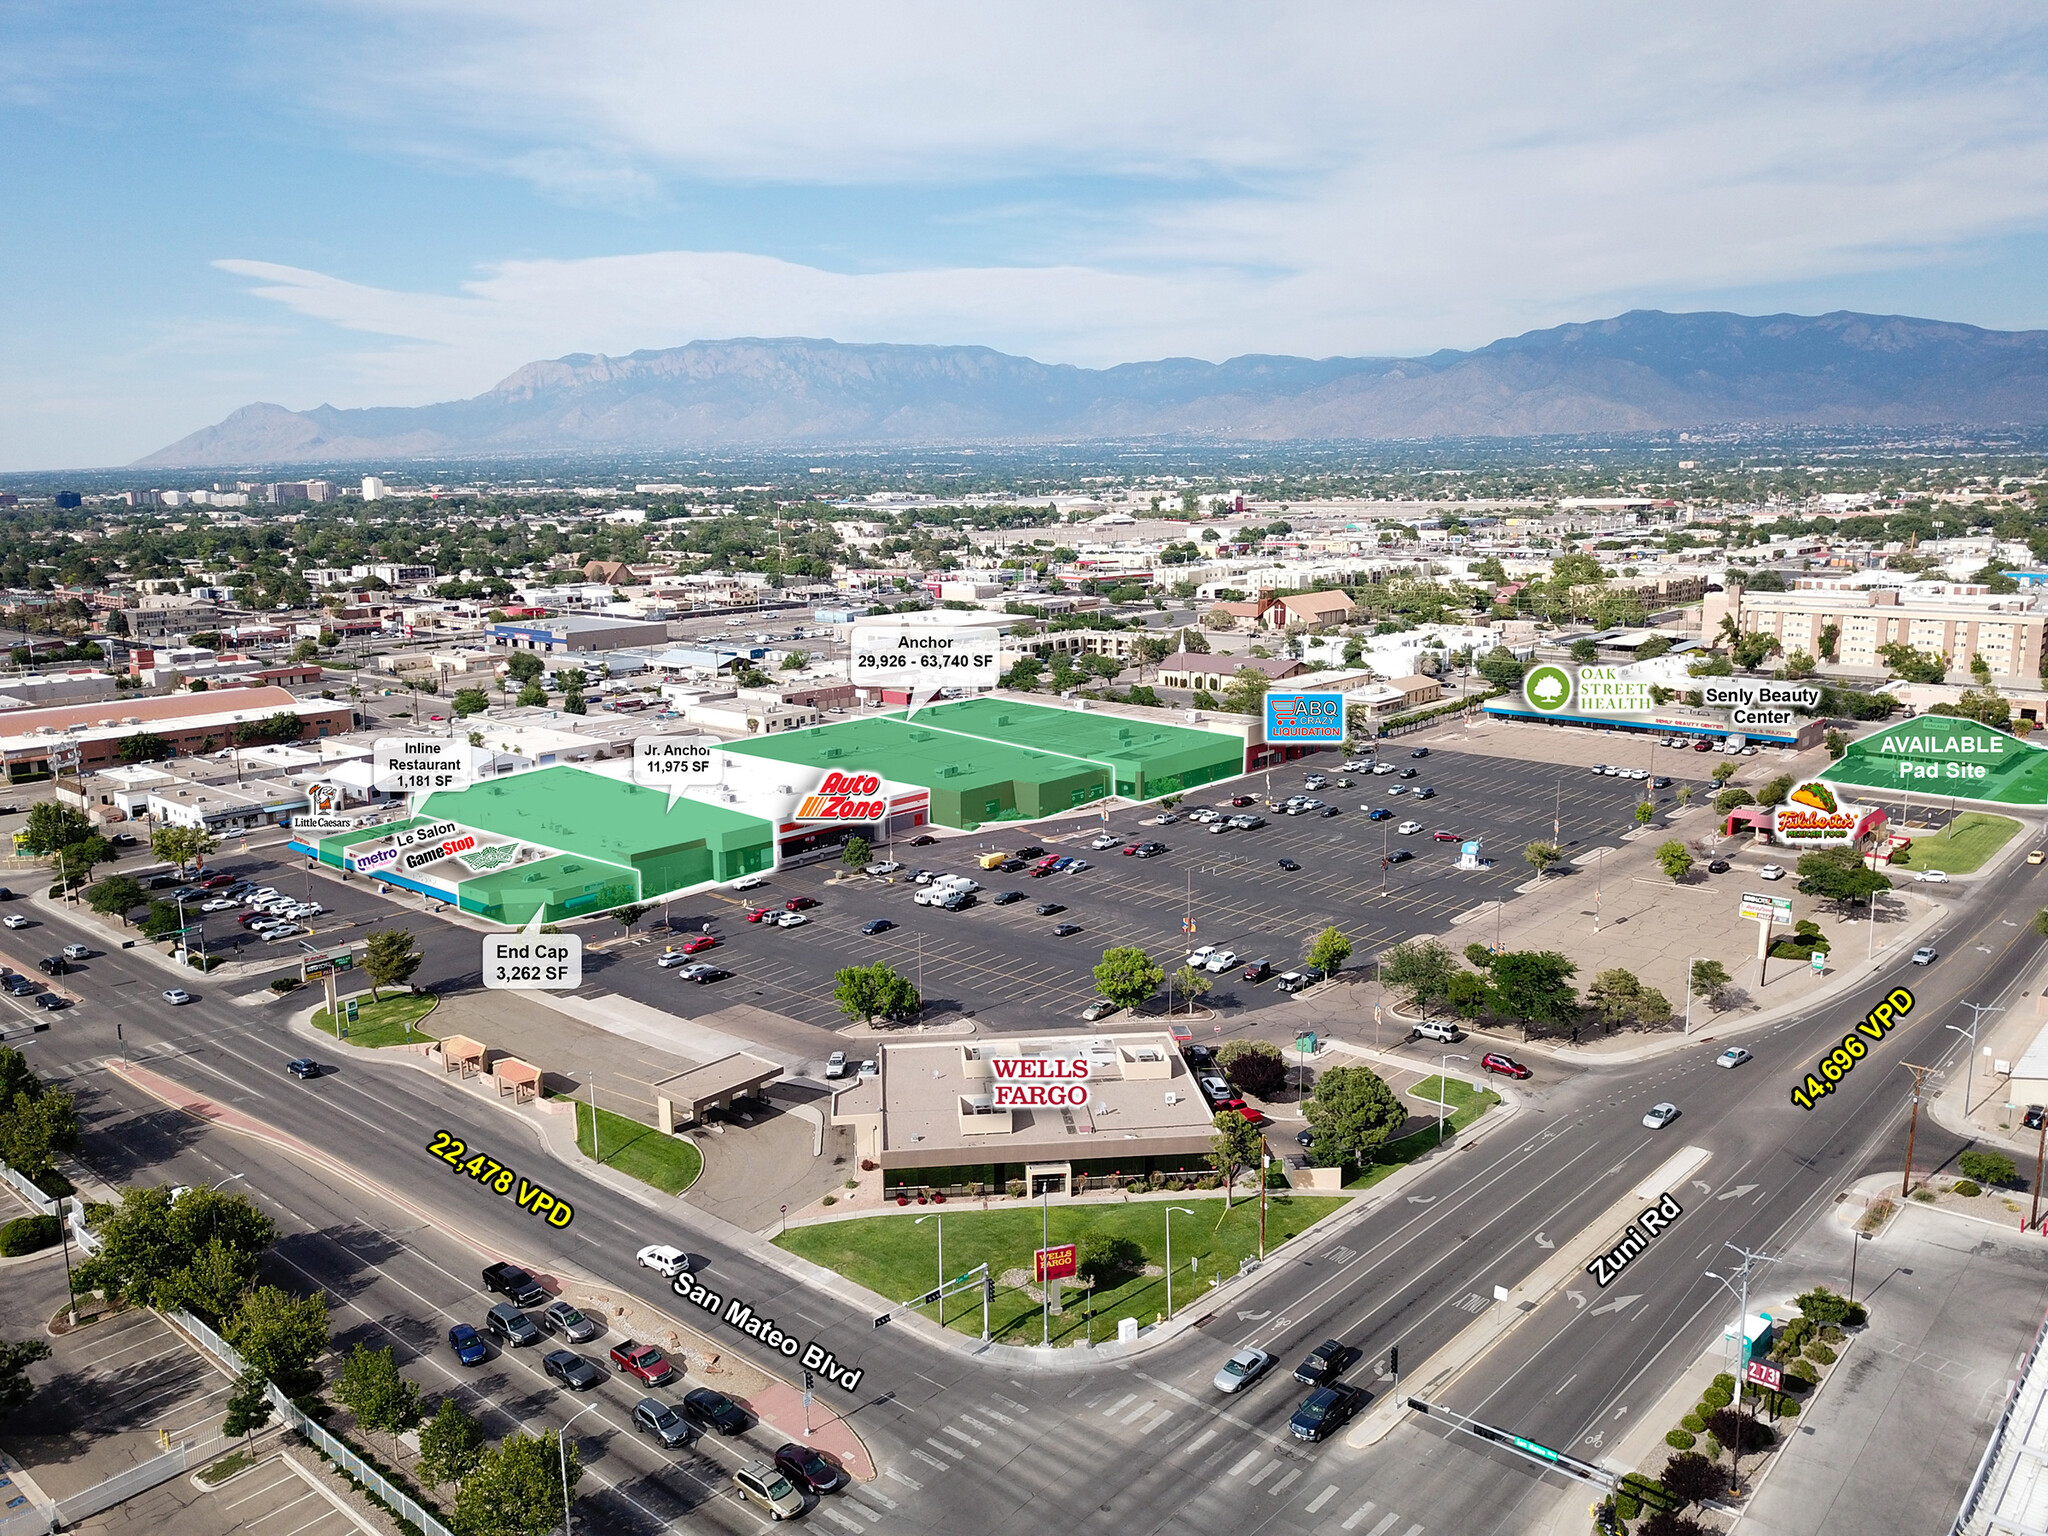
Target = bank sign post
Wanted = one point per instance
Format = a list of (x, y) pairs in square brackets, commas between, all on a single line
[(1305, 719)]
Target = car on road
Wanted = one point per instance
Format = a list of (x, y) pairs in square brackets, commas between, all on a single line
[(2039, 855), (1065, 930), (468, 1344), (514, 1284), (1323, 1412), (1443, 835), (1926, 954), (654, 1417), (571, 1369), (177, 997), (54, 965), (563, 1319), (760, 1483), (748, 883), (1931, 876), (507, 1323), (714, 1410), (704, 975), (1377, 813), (1241, 1370), (1734, 1056), (2036, 1113), (1050, 908), (799, 903), (1409, 828), (1660, 1115), (1100, 1009), (1506, 1066), (697, 945), (1290, 866), (791, 920), (52, 1002), (1327, 1361), (1770, 872), (1258, 971), (1717, 867), (302, 1068), (665, 1259), (14, 920), (645, 1362), (20, 986), (808, 1469)]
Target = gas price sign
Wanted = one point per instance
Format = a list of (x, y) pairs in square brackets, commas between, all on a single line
[(420, 765), (923, 658), (533, 962)]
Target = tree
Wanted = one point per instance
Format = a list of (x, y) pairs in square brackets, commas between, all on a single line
[(532, 696), (1102, 1254), (1674, 858), (149, 1240), (1773, 791), (116, 896), (870, 992), (1127, 976), (52, 826), (1839, 875), (1541, 856), (1662, 1522), (75, 861), (1993, 1168), (1914, 666), (796, 661), (182, 846), (1191, 982), (1535, 987), (1797, 665), (1235, 1146), (1422, 968), (1245, 694), (389, 958), (2041, 922), (1501, 668), (1584, 652), (1729, 799), (516, 1489), (1352, 1113), (281, 1335), (1329, 951), (524, 666), (213, 1283), (275, 730), (1644, 813), (470, 701), (1709, 978), (855, 852), (306, 650), (1620, 997), (1754, 649), (451, 1443), (1690, 1477), (143, 747), (1478, 956), (16, 1356), (1685, 794), (35, 1123), (1723, 772), (1467, 995), (248, 1405), (1741, 1434), (371, 1388), (1253, 1067)]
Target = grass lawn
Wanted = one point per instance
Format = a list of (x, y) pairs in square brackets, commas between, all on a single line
[(670, 1163), (1960, 847), (220, 1471), (386, 1022), (899, 1259), (1466, 1104)]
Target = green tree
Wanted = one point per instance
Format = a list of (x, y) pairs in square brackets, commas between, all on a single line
[(51, 826), (1235, 1146), (451, 1443), (1645, 813), (524, 666), (1709, 978), (1102, 1255), (1329, 951), (1992, 1168), (35, 1120), (1189, 983), (182, 846), (281, 1335), (1797, 665), (796, 661), (1674, 859), (628, 915), (75, 861), (1837, 743), (532, 696), (1352, 1112), (306, 650), (1501, 668), (1839, 875), (1253, 1067), (16, 1356), (1422, 968), (1467, 995), (1127, 976), (371, 1388), (1729, 799), (516, 1488), (1535, 987), (1541, 856), (1584, 652), (213, 1282), (143, 747), (470, 701), (149, 1240), (870, 992), (1620, 997), (1685, 794), (389, 959), (1478, 956), (1723, 772), (1914, 666), (248, 1405), (1245, 694), (855, 852), (1773, 791), (116, 896), (1754, 649), (1024, 674)]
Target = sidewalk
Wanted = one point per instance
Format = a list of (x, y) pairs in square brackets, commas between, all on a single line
[(1990, 1116)]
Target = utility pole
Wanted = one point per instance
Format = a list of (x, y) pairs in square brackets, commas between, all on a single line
[(1920, 1076), (2040, 1155), (1750, 1259), (1977, 1012)]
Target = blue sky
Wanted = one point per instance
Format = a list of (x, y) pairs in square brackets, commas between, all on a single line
[(370, 202)]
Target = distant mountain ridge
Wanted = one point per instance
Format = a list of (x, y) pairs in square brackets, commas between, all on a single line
[(1642, 371)]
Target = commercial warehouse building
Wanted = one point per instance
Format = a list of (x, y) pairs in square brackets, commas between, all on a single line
[(186, 722)]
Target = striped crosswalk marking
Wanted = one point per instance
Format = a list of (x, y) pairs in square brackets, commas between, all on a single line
[(832, 1514), (930, 1461), (960, 1434), (940, 1445), (878, 1497), (1322, 1498), (1152, 1426), (1413, 1530), (1141, 1410), (1117, 1407), (909, 1482), (1281, 1483), (1199, 1441), (1271, 1466), (1362, 1511), (1381, 1528), (862, 1510), (1249, 1458)]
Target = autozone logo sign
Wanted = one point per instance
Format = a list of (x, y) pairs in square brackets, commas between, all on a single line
[(844, 797)]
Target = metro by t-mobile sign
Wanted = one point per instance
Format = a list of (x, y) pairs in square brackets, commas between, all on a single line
[(1040, 1082)]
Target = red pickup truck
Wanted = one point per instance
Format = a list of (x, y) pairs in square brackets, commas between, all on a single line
[(645, 1362)]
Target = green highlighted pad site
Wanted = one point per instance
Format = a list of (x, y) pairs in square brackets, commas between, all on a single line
[(1942, 755)]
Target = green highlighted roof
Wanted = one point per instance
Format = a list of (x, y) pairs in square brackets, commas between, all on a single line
[(1944, 755), (608, 818)]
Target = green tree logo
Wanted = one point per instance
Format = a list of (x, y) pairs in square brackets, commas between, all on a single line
[(1548, 689)]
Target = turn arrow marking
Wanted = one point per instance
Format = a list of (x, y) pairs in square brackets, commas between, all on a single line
[(1579, 1298), (1737, 1192), (1421, 1199), (1254, 1317), (1616, 1305), (1544, 1242), (1703, 1186)]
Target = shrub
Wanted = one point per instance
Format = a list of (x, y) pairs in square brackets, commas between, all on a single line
[(286, 984), (1718, 1396), (1924, 1194), (1993, 1168), (1967, 1188), (1689, 1477), (1832, 1335), (1693, 1421), (1015, 1186), (829, 1200), (1627, 1506), (27, 1234), (1724, 1382), (1679, 1440), (1749, 1435), (1802, 1371), (1253, 1067), (1821, 1353)]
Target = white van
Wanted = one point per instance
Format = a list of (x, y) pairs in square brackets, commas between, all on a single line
[(1440, 1030)]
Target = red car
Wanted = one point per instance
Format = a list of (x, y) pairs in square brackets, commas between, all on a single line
[(1441, 836), (1703, 745), (755, 914), (703, 941), (645, 1362), (1506, 1066), (1244, 799), (1130, 849), (799, 903)]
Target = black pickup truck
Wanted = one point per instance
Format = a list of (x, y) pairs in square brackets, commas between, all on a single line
[(515, 1284)]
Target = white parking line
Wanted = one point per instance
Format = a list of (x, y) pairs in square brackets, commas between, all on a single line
[(253, 1493)]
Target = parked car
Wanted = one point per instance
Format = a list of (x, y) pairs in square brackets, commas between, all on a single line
[(1506, 1066), (514, 1284), (1660, 782), (670, 959), (1050, 908), (468, 1344), (1241, 1370), (791, 920), (665, 1259), (704, 975), (645, 1362), (654, 1417), (835, 1064), (1150, 850), (571, 1369), (1717, 867), (760, 1483), (1770, 872), (1409, 828), (1409, 773), (1931, 876), (1258, 970), (1400, 856), (698, 944), (1098, 1010), (1290, 866), (2036, 1113), (1323, 1412), (1443, 835), (1065, 930), (1220, 961), (799, 903), (1008, 897), (714, 1410), (565, 1321), (1377, 813)]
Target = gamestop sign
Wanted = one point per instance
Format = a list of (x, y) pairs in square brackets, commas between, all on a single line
[(1040, 1082), (844, 797)]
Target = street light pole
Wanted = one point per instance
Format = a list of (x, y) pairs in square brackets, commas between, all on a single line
[(562, 1452), (1185, 1211), (939, 1217), (1690, 962), (1977, 1012), (1443, 1093), (1750, 1258)]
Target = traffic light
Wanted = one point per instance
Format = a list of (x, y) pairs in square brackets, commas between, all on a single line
[(1394, 1361), (988, 1288)]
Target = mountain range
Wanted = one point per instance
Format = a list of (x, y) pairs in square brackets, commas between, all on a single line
[(1641, 371)]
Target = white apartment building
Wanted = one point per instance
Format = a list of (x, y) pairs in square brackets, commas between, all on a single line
[(2005, 630)]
